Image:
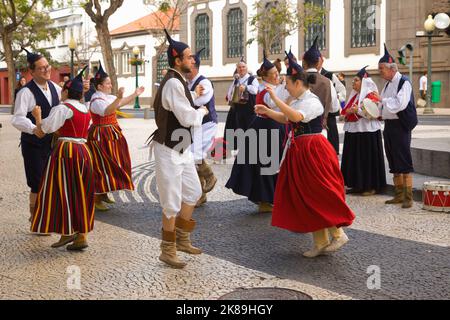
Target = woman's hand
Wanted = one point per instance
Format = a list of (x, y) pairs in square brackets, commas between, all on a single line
[(121, 92), (271, 92), (199, 90), (261, 109), (139, 91)]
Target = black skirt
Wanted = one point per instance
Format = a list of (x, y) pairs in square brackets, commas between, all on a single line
[(363, 165), (250, 179)]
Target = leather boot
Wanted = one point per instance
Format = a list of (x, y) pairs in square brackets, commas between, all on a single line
[(201, 201), (184, 229), (204, 171), (399, 192), (64, 240), (79, 244), (408, 200), (169, 250), (99, 205)]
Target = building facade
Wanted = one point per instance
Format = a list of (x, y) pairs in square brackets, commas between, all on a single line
[(352, 35)]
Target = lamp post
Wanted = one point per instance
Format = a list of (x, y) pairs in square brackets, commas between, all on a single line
[(136, 53), (72, 47), (441, 21)]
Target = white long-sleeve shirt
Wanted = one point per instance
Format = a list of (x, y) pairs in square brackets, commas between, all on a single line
[(394, 102), (208, 92), (340, 89), (25, 103), (252, 88), (100, 102), (174, 99), (59, 114)]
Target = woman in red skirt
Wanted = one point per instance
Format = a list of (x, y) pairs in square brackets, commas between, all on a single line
[(310, 194), (112, 162), (65, 203)]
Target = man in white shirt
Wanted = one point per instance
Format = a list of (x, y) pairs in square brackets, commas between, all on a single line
[(203, 136), (35, 144), (176, 177), (400, 117), (424, 85)]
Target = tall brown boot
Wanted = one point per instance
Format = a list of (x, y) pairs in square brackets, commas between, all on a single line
[(399, 192), (169, 250), (408, 192), (79, 244), (204, 171), (184, 229)]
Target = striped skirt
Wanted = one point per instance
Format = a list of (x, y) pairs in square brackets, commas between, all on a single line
[(112, 162), (65, 203)]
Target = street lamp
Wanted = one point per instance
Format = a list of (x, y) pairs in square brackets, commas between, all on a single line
[(441, 21), (137, 62), (72, 47)]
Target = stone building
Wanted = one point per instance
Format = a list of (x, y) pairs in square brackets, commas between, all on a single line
[(352, 35)]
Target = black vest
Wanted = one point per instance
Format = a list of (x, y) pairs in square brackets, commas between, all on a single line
[(166, 121), (41, 101), (211, 105)]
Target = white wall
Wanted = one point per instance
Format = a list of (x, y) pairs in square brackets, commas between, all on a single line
[(336, 62)]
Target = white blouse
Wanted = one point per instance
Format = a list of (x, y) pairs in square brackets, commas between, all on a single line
[(363, 124), (309, 106), (101, 103)]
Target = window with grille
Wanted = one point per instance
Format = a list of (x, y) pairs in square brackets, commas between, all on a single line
[(363, 34), (161, 64), (317, 29), (126, 67), (235, 34), (202, 35)]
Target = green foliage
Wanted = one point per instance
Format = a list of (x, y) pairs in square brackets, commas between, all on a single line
[(278, 19)]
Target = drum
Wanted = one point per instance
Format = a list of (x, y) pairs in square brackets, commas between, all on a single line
[(436, 196), (370, 109)]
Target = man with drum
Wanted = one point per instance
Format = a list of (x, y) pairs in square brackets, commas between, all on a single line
[(400, 116), (363, 158)]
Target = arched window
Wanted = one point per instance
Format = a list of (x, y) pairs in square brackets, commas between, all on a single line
[(364, 32), (235, 33), (202, 39), (317, 29)]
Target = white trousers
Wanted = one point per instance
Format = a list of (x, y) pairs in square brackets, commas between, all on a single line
[(203, 138), (177, 180)]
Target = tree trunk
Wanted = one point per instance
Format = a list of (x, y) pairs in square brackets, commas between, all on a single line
[(9, 59), (105, 43)]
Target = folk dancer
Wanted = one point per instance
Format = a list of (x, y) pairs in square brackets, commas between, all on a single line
[(363, 157), (203, 137), (242, 98), (112, 162), (177, 180), (310, 195), (36, 145), (256, 179), (65, 203), (400, 118)]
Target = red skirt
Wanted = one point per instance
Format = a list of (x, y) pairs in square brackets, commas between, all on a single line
[(112, 162), (310, 193), (65, 203)]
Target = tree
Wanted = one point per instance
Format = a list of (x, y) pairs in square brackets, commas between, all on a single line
[(167, 14), (276, 20), (22, 24), (100, 18)]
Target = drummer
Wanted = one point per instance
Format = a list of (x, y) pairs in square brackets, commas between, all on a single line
[(363, 158)]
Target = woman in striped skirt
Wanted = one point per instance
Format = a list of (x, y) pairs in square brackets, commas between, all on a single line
[(109, 147), (65, 203)]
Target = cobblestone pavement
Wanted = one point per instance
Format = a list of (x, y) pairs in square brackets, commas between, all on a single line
[(242, 250)]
